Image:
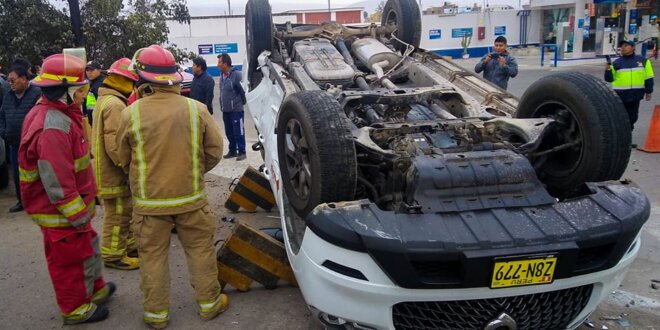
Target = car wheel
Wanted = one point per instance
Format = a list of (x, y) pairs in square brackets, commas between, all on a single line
[(590, 122), (4, 175), (407, 18), (316, 151), (259, 33)]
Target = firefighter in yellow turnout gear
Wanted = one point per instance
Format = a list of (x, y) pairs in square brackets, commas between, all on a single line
[(117, 239), (167, 142)]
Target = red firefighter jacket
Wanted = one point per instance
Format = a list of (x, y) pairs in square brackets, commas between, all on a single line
[(57, 181)]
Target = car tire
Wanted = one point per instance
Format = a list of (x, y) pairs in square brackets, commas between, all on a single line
[(406, 15), (4, 175), (316, 151), (259, 32), (584, 107)]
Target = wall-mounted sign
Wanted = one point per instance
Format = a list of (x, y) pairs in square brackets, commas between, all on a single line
[(205, 49), (500, 30), (460, 32), (225, 48), (435, 34)]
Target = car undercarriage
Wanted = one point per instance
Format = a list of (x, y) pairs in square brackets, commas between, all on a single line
[(386, 151)]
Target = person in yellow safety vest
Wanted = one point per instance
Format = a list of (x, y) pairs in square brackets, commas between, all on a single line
[(117, 240), (166, 144), (632, 79), (95, 76)]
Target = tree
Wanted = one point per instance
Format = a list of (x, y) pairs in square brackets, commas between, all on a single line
[(34, 28), (113, 31), (378, 13), (30, 28)]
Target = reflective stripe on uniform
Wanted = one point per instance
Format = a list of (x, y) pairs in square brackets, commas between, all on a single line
[(104, 191), (73, 207), (206, 307), (113, 250), (98, 137), (139, 150), (28, 175), (81, 163), (58, 220), (50, 181), (119, 206), (194, 141), (157, 316), (169, 202), (627, 87)]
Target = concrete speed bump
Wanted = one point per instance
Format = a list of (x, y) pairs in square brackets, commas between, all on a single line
[(249, 255), (251, 190)]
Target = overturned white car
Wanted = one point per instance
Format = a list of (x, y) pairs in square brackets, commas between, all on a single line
[(415, 195)]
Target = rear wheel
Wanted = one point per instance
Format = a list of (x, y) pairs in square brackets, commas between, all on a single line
[(407, 18), (316, 151), (259, 36), (590, 123)]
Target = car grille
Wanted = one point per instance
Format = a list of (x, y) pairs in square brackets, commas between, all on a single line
[(186, 84), (548, 310)]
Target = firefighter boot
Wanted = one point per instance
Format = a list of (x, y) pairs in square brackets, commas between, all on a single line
[(220, 305), (125, 263), (87, 313), (102, 296)]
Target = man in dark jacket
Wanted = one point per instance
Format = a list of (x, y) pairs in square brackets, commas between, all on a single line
[(16, 103), (499, 65), (203, 84), (631, 77), (95, 77), (232, 99)]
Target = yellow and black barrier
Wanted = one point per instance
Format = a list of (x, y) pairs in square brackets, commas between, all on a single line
[(250, 255), (251, 190)]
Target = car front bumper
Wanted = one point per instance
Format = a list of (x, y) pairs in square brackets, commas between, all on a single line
[(338, 299)]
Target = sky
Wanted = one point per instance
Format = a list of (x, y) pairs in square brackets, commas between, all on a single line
[(219, 7)]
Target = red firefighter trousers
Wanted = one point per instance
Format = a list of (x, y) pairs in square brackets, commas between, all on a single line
[(74, 264)]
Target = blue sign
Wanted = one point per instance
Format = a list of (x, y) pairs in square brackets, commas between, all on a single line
[(225, 48), (608, 1), (435, 34), (205, 49), (500, 30), (461, 32)]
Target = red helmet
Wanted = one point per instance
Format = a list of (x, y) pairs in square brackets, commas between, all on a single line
[(121, 68), (156, 65), (61, 70)]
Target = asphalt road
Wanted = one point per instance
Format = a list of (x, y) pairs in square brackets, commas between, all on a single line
[(27, 300)]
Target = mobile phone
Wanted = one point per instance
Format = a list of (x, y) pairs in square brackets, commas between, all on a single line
[(494, 56), (608, 59)]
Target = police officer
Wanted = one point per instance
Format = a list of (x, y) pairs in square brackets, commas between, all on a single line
[(632, 78)]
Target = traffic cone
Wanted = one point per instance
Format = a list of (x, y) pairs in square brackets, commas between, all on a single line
[(653, 138)]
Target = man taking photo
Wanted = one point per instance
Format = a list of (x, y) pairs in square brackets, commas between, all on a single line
[(499, 65)]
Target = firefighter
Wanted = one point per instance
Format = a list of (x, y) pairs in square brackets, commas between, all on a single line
[(116, 240), (57, 181), (166, 143)]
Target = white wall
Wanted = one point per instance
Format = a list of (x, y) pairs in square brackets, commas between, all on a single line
[(490, 20), (205, 31), (214, 31)]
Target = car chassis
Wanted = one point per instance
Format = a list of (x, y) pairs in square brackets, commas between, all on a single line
[(412, 192)]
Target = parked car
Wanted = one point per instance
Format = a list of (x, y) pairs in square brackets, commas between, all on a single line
[(186, 84), (415, 195)]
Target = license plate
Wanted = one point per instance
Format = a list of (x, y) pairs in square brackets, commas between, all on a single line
[(521, 271)]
